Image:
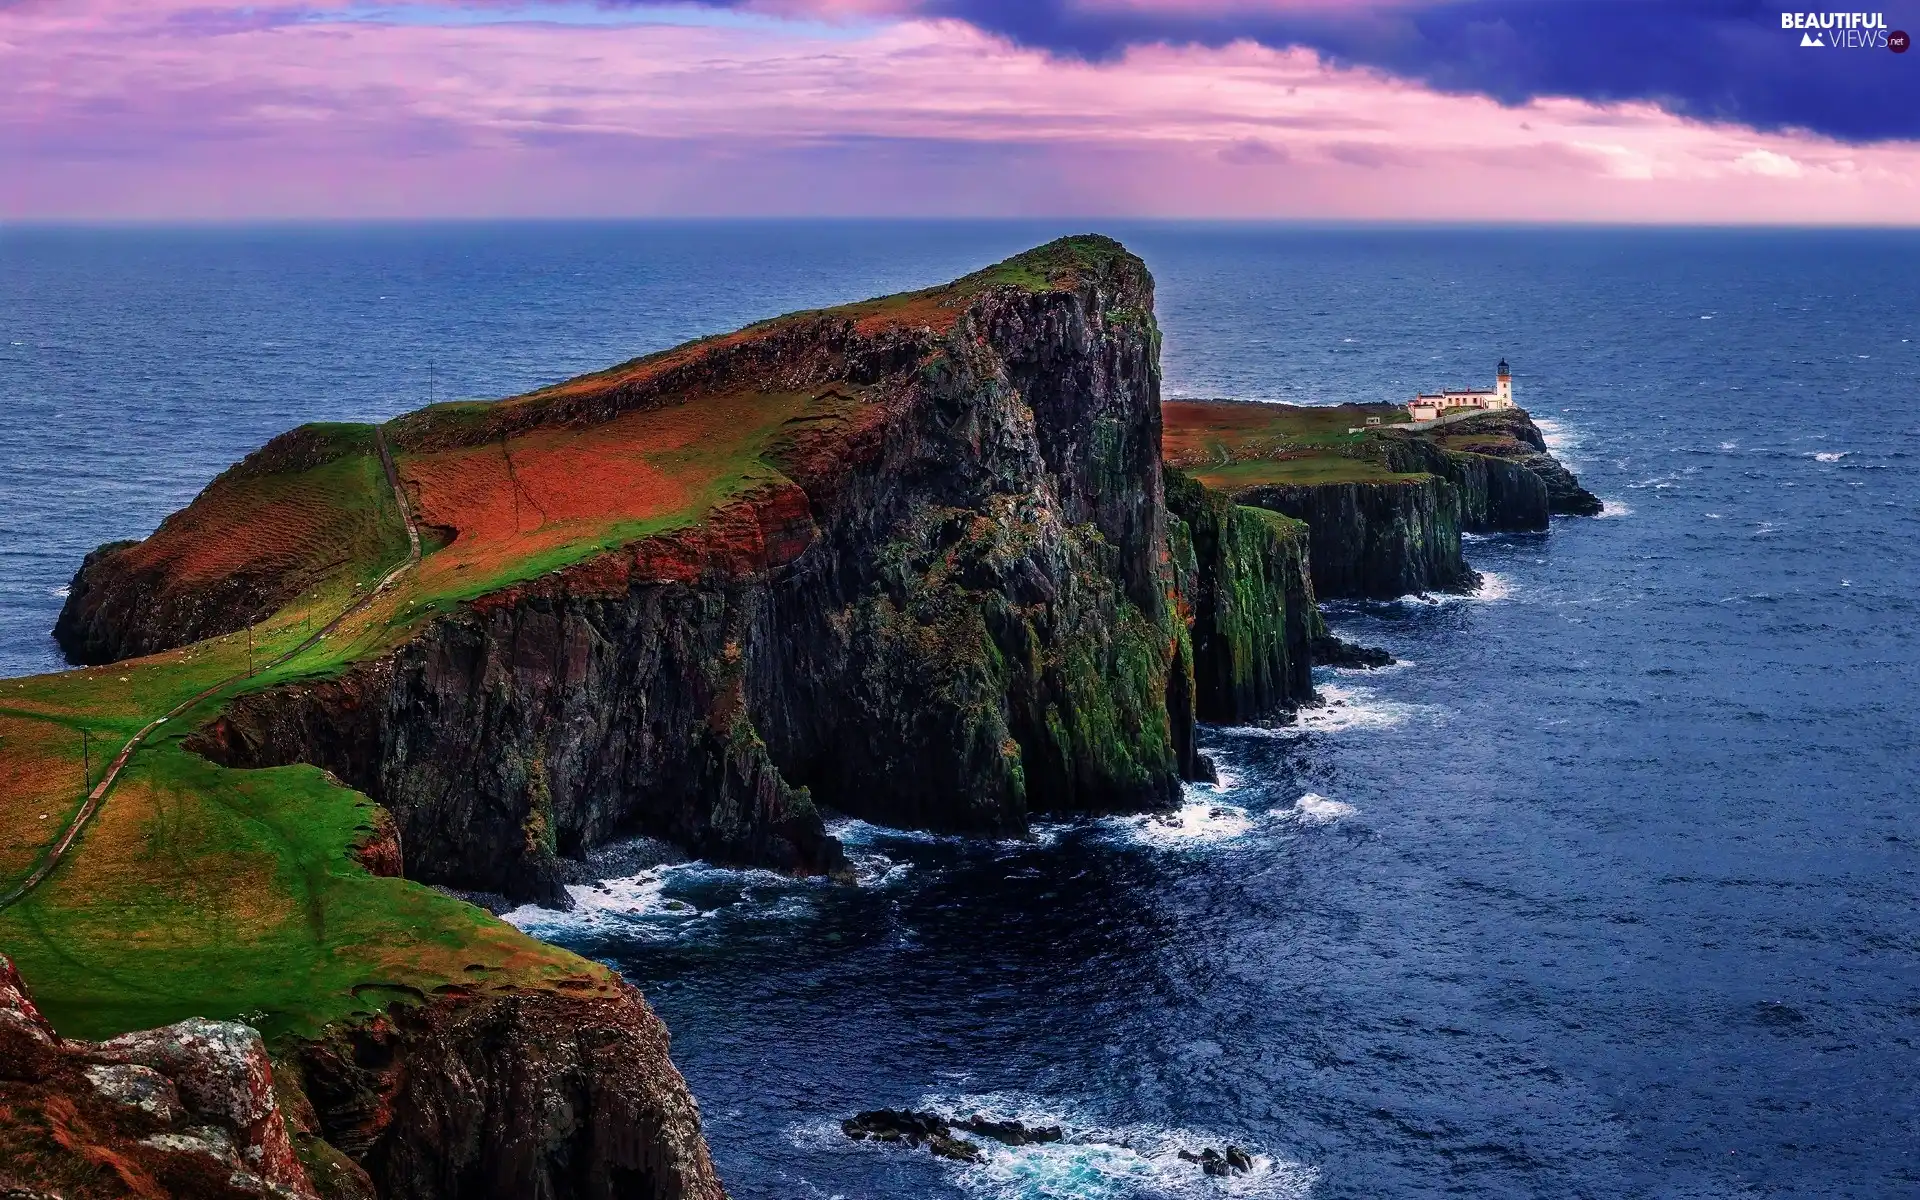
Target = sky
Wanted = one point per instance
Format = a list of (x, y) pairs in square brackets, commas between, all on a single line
[(1681, 111)]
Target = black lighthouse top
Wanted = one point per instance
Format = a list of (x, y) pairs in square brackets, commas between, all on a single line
[(1503, 368)]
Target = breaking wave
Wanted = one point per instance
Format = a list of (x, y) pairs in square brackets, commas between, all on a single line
[(1198, 822), (1315, 809)]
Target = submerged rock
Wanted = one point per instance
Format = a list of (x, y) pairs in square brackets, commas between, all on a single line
[(1332, 651), (938, 1133), (1234, 1161)]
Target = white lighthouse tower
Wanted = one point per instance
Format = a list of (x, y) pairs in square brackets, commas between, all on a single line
[(1503, 386)]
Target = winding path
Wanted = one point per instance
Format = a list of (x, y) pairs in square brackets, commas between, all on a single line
[(99, 793)]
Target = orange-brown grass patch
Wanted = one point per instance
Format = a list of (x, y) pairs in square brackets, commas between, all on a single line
[(550, 497), (1198, 431), (290, 524)]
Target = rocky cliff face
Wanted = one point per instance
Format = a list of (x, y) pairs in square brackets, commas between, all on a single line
[(1496, 495), (464, 1097), (1513, 437), (189, 1110), (1244, 576), (538, 1094), (1376, 540), (266, 528), (952, 614)]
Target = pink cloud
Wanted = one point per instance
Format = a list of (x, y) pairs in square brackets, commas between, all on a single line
[(178, 109)]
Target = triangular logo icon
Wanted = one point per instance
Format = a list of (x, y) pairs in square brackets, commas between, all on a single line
[(1807, 39)]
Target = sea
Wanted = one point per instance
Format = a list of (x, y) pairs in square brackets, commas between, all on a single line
[(1609, 888)]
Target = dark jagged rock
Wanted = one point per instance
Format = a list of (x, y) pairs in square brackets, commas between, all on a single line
[(1332, 651), (937, 1133), (1512, 436), (1211, 1161), (1013, 1133), (913, 1129)]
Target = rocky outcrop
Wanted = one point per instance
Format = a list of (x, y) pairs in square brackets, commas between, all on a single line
[(941, 1136), (1495, 495), (189, 1110), (462, 1097), (1512, 436), (543, 1094), (1243, 575), (1376, 539), (237, 553), (952, 615)]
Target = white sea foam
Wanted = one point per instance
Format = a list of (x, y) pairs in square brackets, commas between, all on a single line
[(1397, 665), (1197, 822), (1348, 707), (1492, 587), (852, 831), (1315, 809), (639, 906), (1560, 440), (1729, 445), (1831, 456), (1094, 1161), (1614, 508), (61, 592), (613, 904)]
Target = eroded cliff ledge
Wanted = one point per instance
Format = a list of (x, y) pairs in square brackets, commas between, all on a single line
[(1384, 506)]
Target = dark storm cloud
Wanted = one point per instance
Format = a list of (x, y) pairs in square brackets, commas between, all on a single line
[(1722, 60)]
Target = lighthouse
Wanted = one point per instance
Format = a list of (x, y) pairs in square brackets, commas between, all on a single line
[(1503, 386)]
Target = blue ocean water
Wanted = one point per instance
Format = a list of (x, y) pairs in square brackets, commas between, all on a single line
[(1609, 890)]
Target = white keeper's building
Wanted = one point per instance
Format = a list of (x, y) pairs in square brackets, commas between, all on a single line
[(1425, 407)]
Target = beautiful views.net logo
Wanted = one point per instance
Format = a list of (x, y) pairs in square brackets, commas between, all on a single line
[(1845, 31)]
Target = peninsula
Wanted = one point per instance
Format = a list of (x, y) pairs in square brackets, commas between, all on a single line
[(917, 559)]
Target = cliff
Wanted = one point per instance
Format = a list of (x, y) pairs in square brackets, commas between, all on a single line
[(927, 586), (914, 559), (1511, 436), (308, 509), (1242, 574), (1384, 506)]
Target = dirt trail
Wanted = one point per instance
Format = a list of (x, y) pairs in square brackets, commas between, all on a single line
[(120, 760)]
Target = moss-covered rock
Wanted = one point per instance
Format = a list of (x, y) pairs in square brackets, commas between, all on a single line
[(1243, 574)]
